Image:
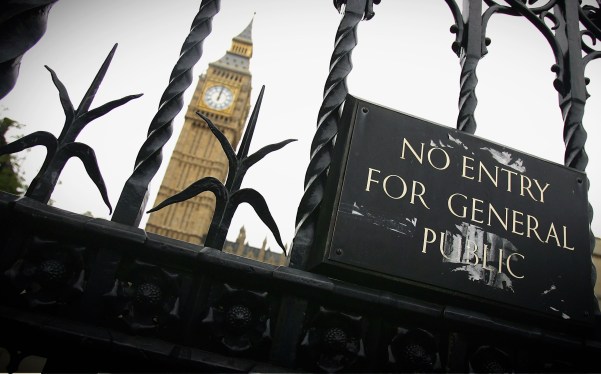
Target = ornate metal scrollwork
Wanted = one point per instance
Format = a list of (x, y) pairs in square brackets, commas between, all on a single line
[(50, 273), (239, 320), (457, 27), (471, 45), (537, 16), (571, 102), (333, 342), (414, 350), (146, 297), (590, 17)]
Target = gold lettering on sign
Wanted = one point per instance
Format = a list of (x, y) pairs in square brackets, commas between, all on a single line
[(418, 195), (385, 184), (526, 187), (532, 225), (552, 234), (476, 259), (508, 265), (492, 211), (469, 168), (446, 157), (465, 166), (500, 260), (473, 252), (369, 180), (395, 187), (485, 258), (420, 156), (542, 190), (449, 202), (512, 221), (474, 210), (565, 239), (483, 168), (412, 150), (509, 174), (517, 222), (426, 241)]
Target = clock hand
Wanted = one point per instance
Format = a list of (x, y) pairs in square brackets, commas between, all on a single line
[(220, 92)]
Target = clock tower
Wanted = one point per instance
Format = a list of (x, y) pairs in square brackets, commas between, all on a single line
[(223, 95)]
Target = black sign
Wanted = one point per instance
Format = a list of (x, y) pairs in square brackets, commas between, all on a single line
[(418, 202)]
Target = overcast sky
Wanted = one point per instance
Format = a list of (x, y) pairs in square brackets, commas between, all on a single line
[(403, 61)]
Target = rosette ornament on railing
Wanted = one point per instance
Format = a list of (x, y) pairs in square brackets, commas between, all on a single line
[(22, 24), (59, 151), (134, 195), (335, 92), (229, 196)]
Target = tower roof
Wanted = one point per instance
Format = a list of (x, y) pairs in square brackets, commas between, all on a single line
[(233, 62), (246, 35), (237, 58)]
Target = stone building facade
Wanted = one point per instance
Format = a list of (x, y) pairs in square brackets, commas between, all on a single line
[(264, 254)]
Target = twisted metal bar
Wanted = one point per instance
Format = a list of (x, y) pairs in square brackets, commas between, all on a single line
[(335, 92), (572, 93), (132, 201), (466, 121), (22, 24), (574, 134), (572, 102), (471, 53), (575, 156)]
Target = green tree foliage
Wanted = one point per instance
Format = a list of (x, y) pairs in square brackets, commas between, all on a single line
[(10, 178)]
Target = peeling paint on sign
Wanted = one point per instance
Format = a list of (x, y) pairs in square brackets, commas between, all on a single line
[(486, 257), (505, 158)]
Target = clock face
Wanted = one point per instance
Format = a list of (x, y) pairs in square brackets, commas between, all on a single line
[(218, 97)]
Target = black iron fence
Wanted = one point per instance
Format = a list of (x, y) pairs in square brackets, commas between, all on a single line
[(90, 294)]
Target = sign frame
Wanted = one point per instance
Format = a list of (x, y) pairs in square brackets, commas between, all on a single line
[(328, 258)]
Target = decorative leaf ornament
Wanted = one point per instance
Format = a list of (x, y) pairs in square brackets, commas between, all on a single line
[(59, 151), (229, 196)]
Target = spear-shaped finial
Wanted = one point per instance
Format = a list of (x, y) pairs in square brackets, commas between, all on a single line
[(250, 129), (229, 196)]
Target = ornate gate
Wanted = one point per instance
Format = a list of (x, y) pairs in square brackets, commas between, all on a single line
[(97, 295)]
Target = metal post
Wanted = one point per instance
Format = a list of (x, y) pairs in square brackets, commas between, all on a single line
[(471, 53), (572, 100), (335, 92), (132, 202), (288, 333)]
